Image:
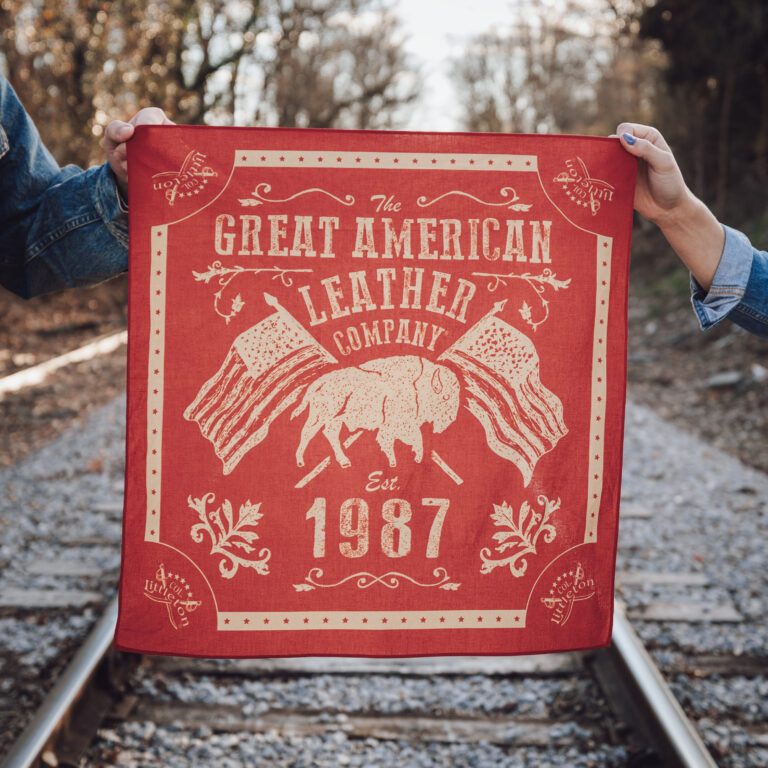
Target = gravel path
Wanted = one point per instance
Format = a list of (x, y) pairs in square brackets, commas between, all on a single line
[(708, 516), (165, 747), (689, 510), (61, 518)]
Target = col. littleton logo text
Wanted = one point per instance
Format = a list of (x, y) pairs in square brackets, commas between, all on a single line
[(582, 188), (567, 589), (174, 593), (188, 181)]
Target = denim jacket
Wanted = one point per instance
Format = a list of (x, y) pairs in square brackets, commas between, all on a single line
[(739, 288), (59, 227)]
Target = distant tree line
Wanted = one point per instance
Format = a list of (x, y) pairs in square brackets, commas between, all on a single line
[(696, 70), (716, 83), (76, 64)]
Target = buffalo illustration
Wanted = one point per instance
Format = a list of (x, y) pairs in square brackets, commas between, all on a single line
[(392, 395)]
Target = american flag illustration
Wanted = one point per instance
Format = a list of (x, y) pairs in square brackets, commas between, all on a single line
[(266, 369), (499, 369)]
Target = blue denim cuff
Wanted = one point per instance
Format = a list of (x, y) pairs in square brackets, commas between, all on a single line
[(729, 283), (106, 200)]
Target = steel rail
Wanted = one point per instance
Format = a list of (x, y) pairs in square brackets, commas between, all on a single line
[(30, 745), (682, 738)]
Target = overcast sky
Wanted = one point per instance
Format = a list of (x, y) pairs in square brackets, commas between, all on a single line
[(438, 31)]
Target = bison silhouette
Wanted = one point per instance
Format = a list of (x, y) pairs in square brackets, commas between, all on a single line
[(392, 395)]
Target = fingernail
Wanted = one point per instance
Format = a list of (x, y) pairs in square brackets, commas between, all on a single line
[(629, 138)]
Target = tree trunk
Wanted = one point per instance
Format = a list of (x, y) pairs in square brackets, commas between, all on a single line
[(761, 146), (699, 138), (723, 140)]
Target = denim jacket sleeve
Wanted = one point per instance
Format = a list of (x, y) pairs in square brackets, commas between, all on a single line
[(59, 227), (739, 288)]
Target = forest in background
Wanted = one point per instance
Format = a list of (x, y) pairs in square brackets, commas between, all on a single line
[(698, 71)]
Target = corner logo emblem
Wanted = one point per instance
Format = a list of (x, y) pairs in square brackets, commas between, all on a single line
[(568, 589), (189, 180), (174, 593), (580, 187)]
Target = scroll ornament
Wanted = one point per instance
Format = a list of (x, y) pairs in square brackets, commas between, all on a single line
[(390, 580)]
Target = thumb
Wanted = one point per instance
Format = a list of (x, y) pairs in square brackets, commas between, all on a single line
[(117, 132), (659, 159)]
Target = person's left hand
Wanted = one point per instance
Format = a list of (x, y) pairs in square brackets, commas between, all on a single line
[(118, 133)]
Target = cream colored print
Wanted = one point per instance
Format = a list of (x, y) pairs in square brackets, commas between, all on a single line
[(263, 374), (189, 180), (230, 537), (538, 283), (259, 196), (582, 188), (172, 591), (499, 370), (393, 396), (567, 589), (512, 203), (390, 580), (519, 535), (493, 369), (225, 275)]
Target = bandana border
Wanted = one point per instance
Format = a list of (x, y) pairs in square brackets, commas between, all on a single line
[(372, 620)]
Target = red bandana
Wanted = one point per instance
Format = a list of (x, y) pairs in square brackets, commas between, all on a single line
[(376, 392)]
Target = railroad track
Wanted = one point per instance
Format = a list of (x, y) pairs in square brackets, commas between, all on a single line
[(702, 621), (97, 688)]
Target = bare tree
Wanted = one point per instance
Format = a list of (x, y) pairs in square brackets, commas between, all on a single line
[(76, 64), (333, 63), (569, 68), (184, 56)]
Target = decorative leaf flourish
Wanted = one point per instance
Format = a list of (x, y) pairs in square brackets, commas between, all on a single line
[(225, 275), (522, 534), (228, 535), (538, 283)]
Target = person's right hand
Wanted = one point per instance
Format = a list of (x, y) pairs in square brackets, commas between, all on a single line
[(660, 191), (118, 133)]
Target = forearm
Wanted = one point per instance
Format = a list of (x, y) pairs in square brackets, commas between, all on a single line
[(75, 233), (696, 236), (59, 227), (739, 289)]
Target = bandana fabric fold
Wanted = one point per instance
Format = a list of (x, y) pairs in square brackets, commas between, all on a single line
[(376, 392)]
